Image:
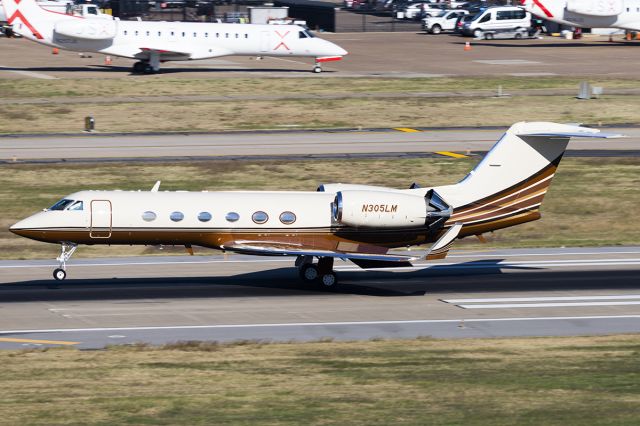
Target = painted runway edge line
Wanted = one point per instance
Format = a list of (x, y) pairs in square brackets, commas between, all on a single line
[(324, 324), (543, 299)]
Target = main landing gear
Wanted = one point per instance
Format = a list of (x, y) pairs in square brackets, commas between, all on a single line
[(143, 67), (321, 273), (66, 251)]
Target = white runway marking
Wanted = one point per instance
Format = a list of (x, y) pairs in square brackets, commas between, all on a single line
[(506, 62), (532, 74), (29, 73), (303, 324), (546, 305), (544, 299)]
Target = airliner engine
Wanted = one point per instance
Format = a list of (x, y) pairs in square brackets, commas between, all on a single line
[(88, 29), (388, 209)]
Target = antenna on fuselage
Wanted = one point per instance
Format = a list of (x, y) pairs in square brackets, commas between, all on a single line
[(156, 186)]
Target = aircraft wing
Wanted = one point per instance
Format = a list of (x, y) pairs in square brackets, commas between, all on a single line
[(163, 52), (260, 248)]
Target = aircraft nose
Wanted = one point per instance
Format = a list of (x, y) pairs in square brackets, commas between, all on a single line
[(22, 227)]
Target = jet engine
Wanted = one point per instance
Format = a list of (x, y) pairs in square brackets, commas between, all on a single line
[(88, 29), (382, 209)]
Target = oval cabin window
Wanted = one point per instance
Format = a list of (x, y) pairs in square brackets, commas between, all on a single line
[(232, 216), (260, 217), (204, 216), (148, 216), (176, 216), (287, 218)]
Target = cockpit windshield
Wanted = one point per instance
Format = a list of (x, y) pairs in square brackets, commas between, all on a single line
[(305, 34), (66, 204)]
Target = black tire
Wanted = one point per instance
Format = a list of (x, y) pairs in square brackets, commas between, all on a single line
[(138, 67), (488, 36), (518, 36), (477, 33), (309, 272), (436, 29), (329, 280), (59, 274)]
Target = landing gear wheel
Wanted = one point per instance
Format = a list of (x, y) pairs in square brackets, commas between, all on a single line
[(148, 69), (59, 274), (317, 69), (138, 67), (329, 280), (309, 272)]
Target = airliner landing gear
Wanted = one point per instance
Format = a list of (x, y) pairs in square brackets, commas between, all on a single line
[(321, 273), (66, 251), (143, 67)]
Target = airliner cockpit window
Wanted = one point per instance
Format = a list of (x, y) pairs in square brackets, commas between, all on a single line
[(309, 34), (61, 205), (302, 34), (76, 206)]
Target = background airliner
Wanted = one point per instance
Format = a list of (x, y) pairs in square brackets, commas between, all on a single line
[(356, 222), (154, 42), (623, 14)]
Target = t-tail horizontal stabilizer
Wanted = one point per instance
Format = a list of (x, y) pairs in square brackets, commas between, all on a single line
[(441, 248)]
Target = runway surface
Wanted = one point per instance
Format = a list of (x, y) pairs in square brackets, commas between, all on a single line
[(532, 292), (282, 144)]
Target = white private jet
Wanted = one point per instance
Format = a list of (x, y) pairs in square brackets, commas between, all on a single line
[(623, 14), (356, 222), (155, 42)]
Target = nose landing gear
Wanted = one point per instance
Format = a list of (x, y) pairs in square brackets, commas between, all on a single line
[(66, 252), (321, 274), (317, 68)]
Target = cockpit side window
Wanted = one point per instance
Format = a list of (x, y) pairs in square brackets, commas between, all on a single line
[(302, 34), (309, 34), (78, 205), (61, 205)]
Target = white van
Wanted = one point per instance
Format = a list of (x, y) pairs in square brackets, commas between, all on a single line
[(499, 18)]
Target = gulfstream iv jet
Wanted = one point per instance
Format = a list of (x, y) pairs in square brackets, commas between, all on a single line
[(623, 14), (154, 42), (359, 223)]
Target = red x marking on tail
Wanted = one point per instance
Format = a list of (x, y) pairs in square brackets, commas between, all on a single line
[(544, 9), (18, 15), (282, 36)]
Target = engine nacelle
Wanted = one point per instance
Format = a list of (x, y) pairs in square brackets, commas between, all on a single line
[(596, 7), (87, 29), (380, 209)]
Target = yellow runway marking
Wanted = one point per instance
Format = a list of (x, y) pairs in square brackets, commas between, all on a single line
[(452, 154), (406, 129), (42, 342)]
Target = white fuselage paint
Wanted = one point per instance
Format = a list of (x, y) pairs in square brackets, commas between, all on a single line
[(622, 14), (174, 41)]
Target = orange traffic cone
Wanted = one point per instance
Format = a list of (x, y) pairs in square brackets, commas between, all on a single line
[(467, 46), (55, 51), (107, 60)]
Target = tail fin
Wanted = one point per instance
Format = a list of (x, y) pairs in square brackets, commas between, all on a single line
[(507, 187), (30, 20)]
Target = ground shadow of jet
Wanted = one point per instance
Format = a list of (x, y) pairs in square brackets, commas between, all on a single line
[(127, 70), (479, 276)]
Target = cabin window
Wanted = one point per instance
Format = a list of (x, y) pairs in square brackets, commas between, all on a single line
[(226, 35), (136, 32), (206, 34), (260, 217), (183, 33), (217, 35), (237, 35), (287, 218), (195, 34), (176, 216), (78, 205), (204, 216), (148, 216), (159, 33), (148, 33), (172, 33), (61, 205), (232, 217), (125, 32)]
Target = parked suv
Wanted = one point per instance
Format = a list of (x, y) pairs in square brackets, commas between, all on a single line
[(445, 21), (500, 18)]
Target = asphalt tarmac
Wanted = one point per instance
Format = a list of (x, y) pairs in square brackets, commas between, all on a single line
[(370, 54), (532, 292), (299, 144)]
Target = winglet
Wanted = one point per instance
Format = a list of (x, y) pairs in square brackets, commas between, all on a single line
[(156, 186), (441, 247)]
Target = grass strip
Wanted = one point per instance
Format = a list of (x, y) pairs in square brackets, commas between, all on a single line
[(532, 381)]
